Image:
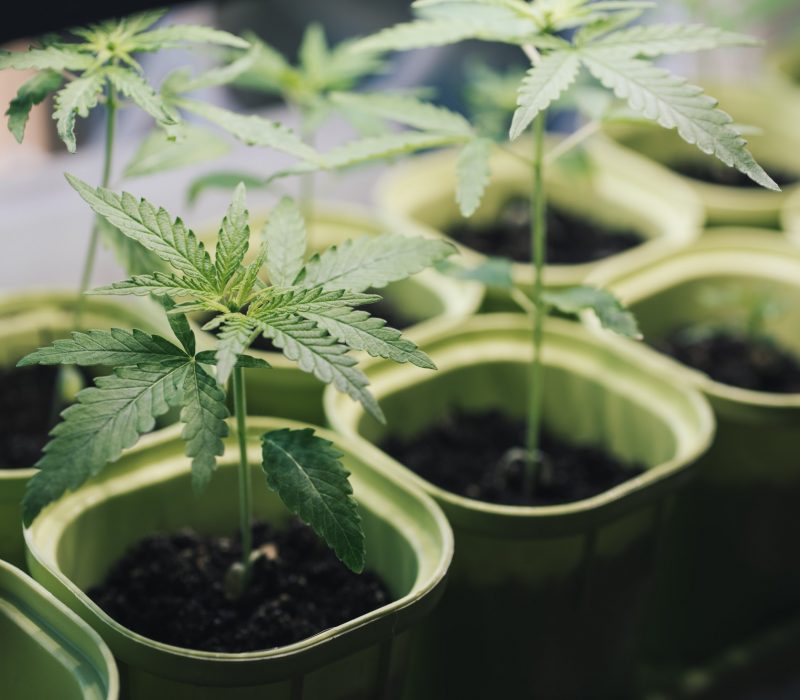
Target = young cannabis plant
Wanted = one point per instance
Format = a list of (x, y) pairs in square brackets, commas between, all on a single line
[(307, 307), (616, 53)]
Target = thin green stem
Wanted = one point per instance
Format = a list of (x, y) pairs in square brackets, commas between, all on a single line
[(538, 247), (245, 477)]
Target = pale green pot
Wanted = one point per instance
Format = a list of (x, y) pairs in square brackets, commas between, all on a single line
[(730, 568), (790, 218), (429, 297), (543, 602), (620, 189), (769, 107), (32, 320), (75, 541), (48, 651)]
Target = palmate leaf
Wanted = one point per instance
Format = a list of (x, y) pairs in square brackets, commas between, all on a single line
[(305, 471), (204, 413), (373, 261), (77, 98), (30, 93), (543, 84), (179, 324), (159, 153), (135, 88), (234, 238), (285, 237), (274, 302), (659, 39), (180, 34), (609, 310), (158, 283), (222, 75), (236, 334), (385, 146), (49, 58), (107, 419), (154, 229), (473, 175), (672, 102), (269, 71)]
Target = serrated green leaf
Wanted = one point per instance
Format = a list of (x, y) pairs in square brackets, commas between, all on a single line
[(55, 58), (660, 39), (386, 146), (285, 236), (203, 413), (274, 301), (610, 312), (222, 75), (135, 88), (305, 471), (236, 334), (209, 357), (313, 51), (114, 348), (222, 180), (543, 84), (179, 323), (373, 261), (31, 93), (179, 34), (158, 283), (135, 259), (270, 71), (234, 238), (77, 98), (107, 419), (493, 272), (675, 104), (154, 229), (159, 153), (247, 278), (473, 175)]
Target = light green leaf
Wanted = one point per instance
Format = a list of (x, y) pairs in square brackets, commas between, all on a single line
[(274, 301), (305, 471), (373, 261), (313, 51), (674, 104), (660, 39), (179, 324), (224, 181), (134, 258), (473, 175), (247, 278), (222, 75), (270, 72), (204, 413), (50, 58), (158, 283), (77, 98), (135, 88), (386, 146), (610, 312), (106, 420), (159, 153), (493, 272), (236, 334), (234, 238), (31, 93), (285, 236), (208, 357), (179, 34), (543, 84)]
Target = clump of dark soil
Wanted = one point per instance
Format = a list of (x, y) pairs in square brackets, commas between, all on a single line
[(171, 588), (469, 454), (571, 239)]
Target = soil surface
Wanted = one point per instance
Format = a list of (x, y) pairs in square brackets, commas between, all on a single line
[(731, 357), (715, 173), (170, 588), (468, 454), (571, 239), (26, 413)]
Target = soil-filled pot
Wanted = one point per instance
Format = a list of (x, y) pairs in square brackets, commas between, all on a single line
[(730, 198), (48, 651), (73, 543), (29, 321), (410, 305), (616, 191), (730, 566), (543, 602)]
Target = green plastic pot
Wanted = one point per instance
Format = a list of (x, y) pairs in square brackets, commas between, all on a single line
[(542, 602), (620, 189), (29, 321), (730, 565), (75, 541), (790, 218), (48, 651), (774, 111), (287, 391)]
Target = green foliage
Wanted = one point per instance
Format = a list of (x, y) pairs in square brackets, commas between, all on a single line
[(285, 237), (158, 153), (608, 309), (473, 175), (31, 93)]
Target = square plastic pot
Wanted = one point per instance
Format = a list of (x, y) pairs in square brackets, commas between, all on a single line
[(542, 601)]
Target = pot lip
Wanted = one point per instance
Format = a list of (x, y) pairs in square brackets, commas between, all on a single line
[(171, 435), (10, 572), (790, 217), (741, 242), (517, 322)]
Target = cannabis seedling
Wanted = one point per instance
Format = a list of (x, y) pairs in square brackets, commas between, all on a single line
[(619, 57), (308, 308)]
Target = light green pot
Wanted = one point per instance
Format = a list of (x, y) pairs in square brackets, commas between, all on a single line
[(48, 651), (790, 218), (543, 602), (621, 189), (287, 391), (75, 541), (32, 320), (769, 107), (730, 565)]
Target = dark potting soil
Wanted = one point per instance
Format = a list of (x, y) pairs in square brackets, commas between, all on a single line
[(26, 413), (733, 358), (571, 239), (170, 588), (715, 173), (467, 454)]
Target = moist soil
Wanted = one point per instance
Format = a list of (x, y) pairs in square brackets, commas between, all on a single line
[(468, 454), (26, 413), (170, 588), (571, 239), (734, 358), (715, 173)]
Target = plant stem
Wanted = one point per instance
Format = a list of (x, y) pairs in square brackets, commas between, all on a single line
[(538, 240), (245, 477)]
